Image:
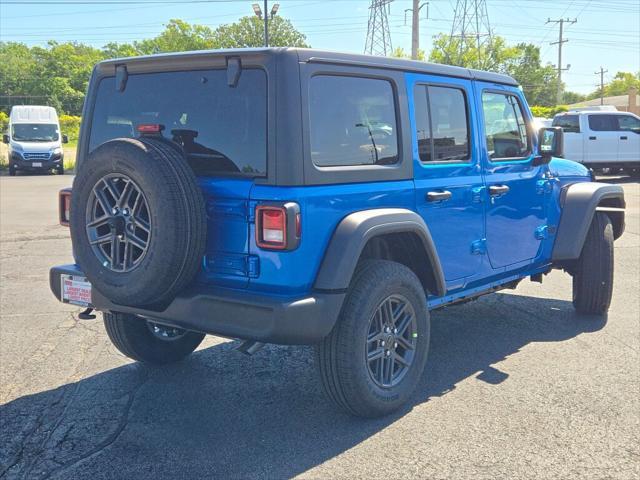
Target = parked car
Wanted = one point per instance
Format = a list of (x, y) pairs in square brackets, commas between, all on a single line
[(34, 140), (298, 196), (602, 139)]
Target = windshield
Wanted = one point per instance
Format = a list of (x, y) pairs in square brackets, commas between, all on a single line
[(34, 132), (221, 129)]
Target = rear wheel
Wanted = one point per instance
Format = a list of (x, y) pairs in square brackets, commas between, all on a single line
[(593, 274), (12, 171), (373, 359), (149, 342)]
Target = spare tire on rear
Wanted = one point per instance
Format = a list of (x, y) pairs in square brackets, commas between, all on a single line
[(138, 221)]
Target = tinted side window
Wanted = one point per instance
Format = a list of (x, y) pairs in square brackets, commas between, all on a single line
[(441, 123), (221, 129), (603, 123), (352, 121), (568, 123), (627, 122), (505, 127)]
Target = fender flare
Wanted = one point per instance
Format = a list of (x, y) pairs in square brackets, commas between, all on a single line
[(579, 203), (353, 233)]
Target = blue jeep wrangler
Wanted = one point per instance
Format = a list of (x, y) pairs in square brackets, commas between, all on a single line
[(305, 197)]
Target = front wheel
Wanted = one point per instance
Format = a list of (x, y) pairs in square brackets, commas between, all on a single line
[(149, 342), (60, 170), (12, 171), (593, 273), (373, 359)]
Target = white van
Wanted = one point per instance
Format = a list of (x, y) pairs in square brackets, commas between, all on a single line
[(602, 139), (34, 139)]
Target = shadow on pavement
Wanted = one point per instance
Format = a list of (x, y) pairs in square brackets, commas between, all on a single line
[(221, 414)]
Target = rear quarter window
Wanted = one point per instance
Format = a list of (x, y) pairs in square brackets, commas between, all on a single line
[(222, 130), (568, 123), (352, 121)]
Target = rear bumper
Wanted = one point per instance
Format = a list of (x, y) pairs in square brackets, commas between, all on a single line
[(230, 313)]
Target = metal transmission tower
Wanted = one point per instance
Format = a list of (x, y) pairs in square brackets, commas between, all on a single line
[(470, 22), (378, 35)]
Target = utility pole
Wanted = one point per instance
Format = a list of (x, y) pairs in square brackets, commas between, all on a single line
[(415, 25), (560, 41), (601, 73)]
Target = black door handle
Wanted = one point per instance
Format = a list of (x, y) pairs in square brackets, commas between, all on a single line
[(495, 190), (623, 138), (438, 196), (592, 138)]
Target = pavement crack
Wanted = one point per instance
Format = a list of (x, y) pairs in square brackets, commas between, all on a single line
[(113, 437)]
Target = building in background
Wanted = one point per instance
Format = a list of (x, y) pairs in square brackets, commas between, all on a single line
[(622, 103)]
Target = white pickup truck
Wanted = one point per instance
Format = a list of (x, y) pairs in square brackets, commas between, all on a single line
[(602, 139)]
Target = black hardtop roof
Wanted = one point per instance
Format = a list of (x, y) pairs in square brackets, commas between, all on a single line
[(323, 56)]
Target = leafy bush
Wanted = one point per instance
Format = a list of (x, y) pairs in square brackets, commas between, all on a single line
[(547, 112), (70, 125), (4, 122)]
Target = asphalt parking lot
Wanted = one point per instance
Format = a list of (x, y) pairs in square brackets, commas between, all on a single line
[(518, 385)]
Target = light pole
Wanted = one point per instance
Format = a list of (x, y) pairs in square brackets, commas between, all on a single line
[(258, 11)]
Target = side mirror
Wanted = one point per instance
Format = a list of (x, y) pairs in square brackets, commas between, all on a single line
[(5, 138), (550, 144), (65, 139)]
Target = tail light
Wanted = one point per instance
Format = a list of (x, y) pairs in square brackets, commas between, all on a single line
[(278, 226), (64, 206), (149, 128)]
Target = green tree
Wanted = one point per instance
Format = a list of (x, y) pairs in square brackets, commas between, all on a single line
[(399, 52), (178, 36), (620, 85), (249, 32), (521, 61), (572, 97), (539, 82), (493, 54)]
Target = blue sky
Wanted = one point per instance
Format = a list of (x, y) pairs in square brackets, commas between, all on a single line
[(607, 33)]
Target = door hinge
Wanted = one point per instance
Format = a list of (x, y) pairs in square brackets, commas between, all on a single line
[(545, 185), (542, 232), (479, 247), (477, 194)]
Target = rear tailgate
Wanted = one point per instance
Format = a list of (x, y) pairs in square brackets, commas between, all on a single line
[(227, 261)]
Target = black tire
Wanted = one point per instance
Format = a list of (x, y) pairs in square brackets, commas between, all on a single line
[(12, 171), (177, 218), (593, 273), (134, 338), (60, 170), (344, 371)]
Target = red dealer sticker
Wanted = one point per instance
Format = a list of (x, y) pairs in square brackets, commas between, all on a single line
[(76, 290)]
